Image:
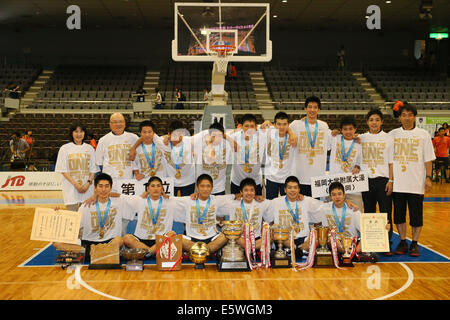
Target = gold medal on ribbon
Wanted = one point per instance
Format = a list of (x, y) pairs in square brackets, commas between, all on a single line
[(152, 173), (102, 233), (215, 176), (120, 173), (312, 154), (281, 165), (372, 170), (246, 168), (311, 161), (297, 228), (178, 175)]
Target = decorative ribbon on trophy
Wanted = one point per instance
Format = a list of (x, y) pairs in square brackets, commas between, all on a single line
[(312, 140), (170, 252), (101, 221), (312, 251), (151, 163), (281, 152), (354, 245), (345, 155), (250, 246), (333, 241), (246, 155), (177, 160)]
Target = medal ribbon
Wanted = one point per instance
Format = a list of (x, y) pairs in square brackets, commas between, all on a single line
[(101, 221), (246, 155), (177, 160), (152, 162), (202, 217), (244, 212), (295, 216), (277, 139), (340, 224), (152, 215), (312, 141), (344, 154)]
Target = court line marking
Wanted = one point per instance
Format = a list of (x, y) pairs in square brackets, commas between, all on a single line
[(405, 285), (84, 284), (22, 265)]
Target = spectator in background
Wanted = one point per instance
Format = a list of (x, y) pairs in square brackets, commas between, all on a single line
[(441, 145), (140, 97), (158, 99), (179, 95), (92, 140), (18, 148), (233, 71), (30, 140), (446, 129), (13, 90), (341, 58)]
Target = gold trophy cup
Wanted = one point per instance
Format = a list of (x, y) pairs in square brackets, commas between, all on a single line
[(346, 260), (232, 258), (199, 254), (279, 258), (323, 254)]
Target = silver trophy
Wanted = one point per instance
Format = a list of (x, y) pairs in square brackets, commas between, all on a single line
[(135, 257)]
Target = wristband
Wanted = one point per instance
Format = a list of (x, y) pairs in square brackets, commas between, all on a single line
[(391, 181)]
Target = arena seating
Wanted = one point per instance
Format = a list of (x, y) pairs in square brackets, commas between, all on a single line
[(293, 84), (21, 75), (194, 78), (425, 89), (90, 87)]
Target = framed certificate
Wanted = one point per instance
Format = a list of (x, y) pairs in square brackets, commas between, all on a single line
[(374, 236), (56, 226)]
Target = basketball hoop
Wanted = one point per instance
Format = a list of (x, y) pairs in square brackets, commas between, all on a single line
[(223, 52)]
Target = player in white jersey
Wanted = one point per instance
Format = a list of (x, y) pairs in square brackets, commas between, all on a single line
[(413, 164), (101, 223), (378, 153)]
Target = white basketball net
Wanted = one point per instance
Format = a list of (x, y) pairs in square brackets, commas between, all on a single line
[(221, 64)]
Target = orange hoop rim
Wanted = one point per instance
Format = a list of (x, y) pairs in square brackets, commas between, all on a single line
[(222, 49)]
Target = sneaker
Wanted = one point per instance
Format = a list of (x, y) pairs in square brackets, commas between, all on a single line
[(402, 248), (414, 250)]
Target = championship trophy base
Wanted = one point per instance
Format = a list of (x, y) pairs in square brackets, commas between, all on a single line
[(346, 262), (284, 262), (230, 266), (323, 260), (135, 265), (199, 266), (104, 266)]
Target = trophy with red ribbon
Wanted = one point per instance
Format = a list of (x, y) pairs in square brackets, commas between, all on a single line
[(169, 253)]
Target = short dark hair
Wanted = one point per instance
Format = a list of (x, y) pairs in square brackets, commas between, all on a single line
[(336, 185), (374, 111), (291, 179), (202, 177), (146, 123), (348, 120), (408, 107), (281, 116), (247, 182), (103, 176), (313, 99), (151, 180), (248, 117), (216, 126), (74, 127), (441, 128), (176, 124)]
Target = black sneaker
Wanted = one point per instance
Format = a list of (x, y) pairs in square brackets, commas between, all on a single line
[(414, 250), (402, 248)]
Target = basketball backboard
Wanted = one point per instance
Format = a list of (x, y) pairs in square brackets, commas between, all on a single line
[(200, 26)]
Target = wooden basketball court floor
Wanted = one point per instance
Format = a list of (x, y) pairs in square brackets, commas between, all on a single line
[(396, 281)]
